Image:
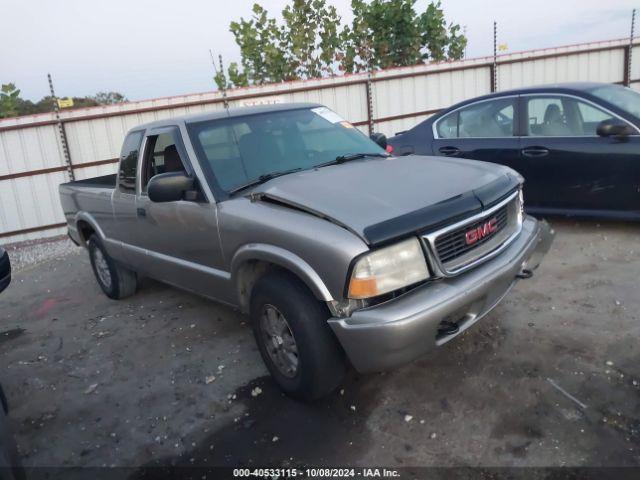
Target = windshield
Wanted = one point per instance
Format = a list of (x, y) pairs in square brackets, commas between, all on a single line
[(623, 98), (239, 150)]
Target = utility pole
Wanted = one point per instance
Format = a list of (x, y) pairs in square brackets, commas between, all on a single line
[(627, 80), (494, 68), (61, 131)]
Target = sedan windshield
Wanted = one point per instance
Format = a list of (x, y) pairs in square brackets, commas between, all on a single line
[(623, 98), (239, 151)]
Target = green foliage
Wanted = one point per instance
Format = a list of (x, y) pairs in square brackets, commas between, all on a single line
[(107, 98), (9, 100), (11, 105), (261, 43), (311, 36), (312, 41)]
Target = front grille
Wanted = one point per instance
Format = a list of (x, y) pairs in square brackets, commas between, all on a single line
[(454, 244), (453, 251)]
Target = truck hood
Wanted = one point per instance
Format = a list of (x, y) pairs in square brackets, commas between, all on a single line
[(380, 199)]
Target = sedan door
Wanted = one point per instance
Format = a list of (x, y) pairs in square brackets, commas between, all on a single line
[(484, 130), (568, 167)]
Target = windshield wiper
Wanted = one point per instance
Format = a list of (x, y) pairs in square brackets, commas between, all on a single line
[(264, 178), (353, 156)]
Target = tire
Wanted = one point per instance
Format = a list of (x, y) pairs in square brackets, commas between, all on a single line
[(10, 463), (319, 360), (115, 281)]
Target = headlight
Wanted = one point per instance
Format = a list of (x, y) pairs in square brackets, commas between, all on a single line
[(388, 269)]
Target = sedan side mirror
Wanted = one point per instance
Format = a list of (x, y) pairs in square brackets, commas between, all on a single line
[(380, 139), (613, 127), (169, 187)]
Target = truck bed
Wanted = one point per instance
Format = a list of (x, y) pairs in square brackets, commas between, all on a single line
[(105, 181), (92, 195)]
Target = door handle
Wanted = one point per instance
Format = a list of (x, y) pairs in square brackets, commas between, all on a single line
[(449, 151), (535, 152), (141, 212)]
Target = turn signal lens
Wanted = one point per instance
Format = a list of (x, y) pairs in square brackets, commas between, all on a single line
[(388, 269)]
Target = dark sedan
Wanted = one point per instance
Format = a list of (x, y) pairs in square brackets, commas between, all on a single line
[(577, 145), (5, 270)]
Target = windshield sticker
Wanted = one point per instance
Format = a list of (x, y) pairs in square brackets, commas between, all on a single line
[(327, 114)]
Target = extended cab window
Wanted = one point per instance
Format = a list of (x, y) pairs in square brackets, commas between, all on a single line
[(489, 119), (129, 162), (161, 156), (557, 116)]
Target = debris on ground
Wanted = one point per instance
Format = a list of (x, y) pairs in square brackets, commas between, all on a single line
[(408, 418), (256, 391), (209, 379), (91, 388)]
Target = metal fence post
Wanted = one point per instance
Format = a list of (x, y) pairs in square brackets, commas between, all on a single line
[(493, 70), (62, 132), (369, 93), (628, 52)]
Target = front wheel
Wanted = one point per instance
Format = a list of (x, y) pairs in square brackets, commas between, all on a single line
[(294, 338), (115, 281)]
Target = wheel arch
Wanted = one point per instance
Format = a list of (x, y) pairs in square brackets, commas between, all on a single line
[(253, 261), (86, 225)]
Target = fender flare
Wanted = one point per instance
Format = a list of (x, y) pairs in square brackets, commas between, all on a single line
[(284, 258), (87, 217)]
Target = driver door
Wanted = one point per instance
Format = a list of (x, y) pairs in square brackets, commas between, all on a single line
[(569, 167), (179, 239)]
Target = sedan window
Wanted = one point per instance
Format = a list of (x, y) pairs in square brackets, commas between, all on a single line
[(487, 119), (558, 116)]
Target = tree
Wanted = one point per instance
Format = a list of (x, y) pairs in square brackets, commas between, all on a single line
[(108, 98), (312, 42), (262, 47), (390, 33), (312, 37), (9, 100)]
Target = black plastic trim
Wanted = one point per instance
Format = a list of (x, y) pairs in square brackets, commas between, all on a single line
[(427, 218)]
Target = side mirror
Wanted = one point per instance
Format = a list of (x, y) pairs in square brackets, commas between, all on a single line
[(613, 128), (380, 139), (169, 187)]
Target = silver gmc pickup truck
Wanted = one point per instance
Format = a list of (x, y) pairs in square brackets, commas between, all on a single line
[(338, 251)]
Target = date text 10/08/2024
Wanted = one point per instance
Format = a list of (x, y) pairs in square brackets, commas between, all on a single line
[(316, 473)]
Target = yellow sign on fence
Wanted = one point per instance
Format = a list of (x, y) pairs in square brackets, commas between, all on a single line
[(65, 102)]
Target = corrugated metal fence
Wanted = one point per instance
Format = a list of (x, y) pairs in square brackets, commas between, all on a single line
[(32, 164)]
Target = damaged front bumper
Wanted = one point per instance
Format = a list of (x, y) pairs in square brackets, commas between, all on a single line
[(398, 331)]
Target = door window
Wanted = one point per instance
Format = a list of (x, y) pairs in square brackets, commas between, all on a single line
[(563, 117), (129, 162), (161, 156), (489, 119)]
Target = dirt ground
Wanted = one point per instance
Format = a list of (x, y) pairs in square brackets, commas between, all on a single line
[(550, 378)]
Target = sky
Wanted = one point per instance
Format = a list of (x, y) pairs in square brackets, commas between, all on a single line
[(154, 48)]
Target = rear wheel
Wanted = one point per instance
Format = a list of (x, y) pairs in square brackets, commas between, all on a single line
[(294, 338), (115, 281)]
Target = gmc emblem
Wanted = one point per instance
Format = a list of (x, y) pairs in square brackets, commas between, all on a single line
[(484, 230)]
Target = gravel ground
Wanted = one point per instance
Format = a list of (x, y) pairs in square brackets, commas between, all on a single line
[(28, 254), (550, 378)]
